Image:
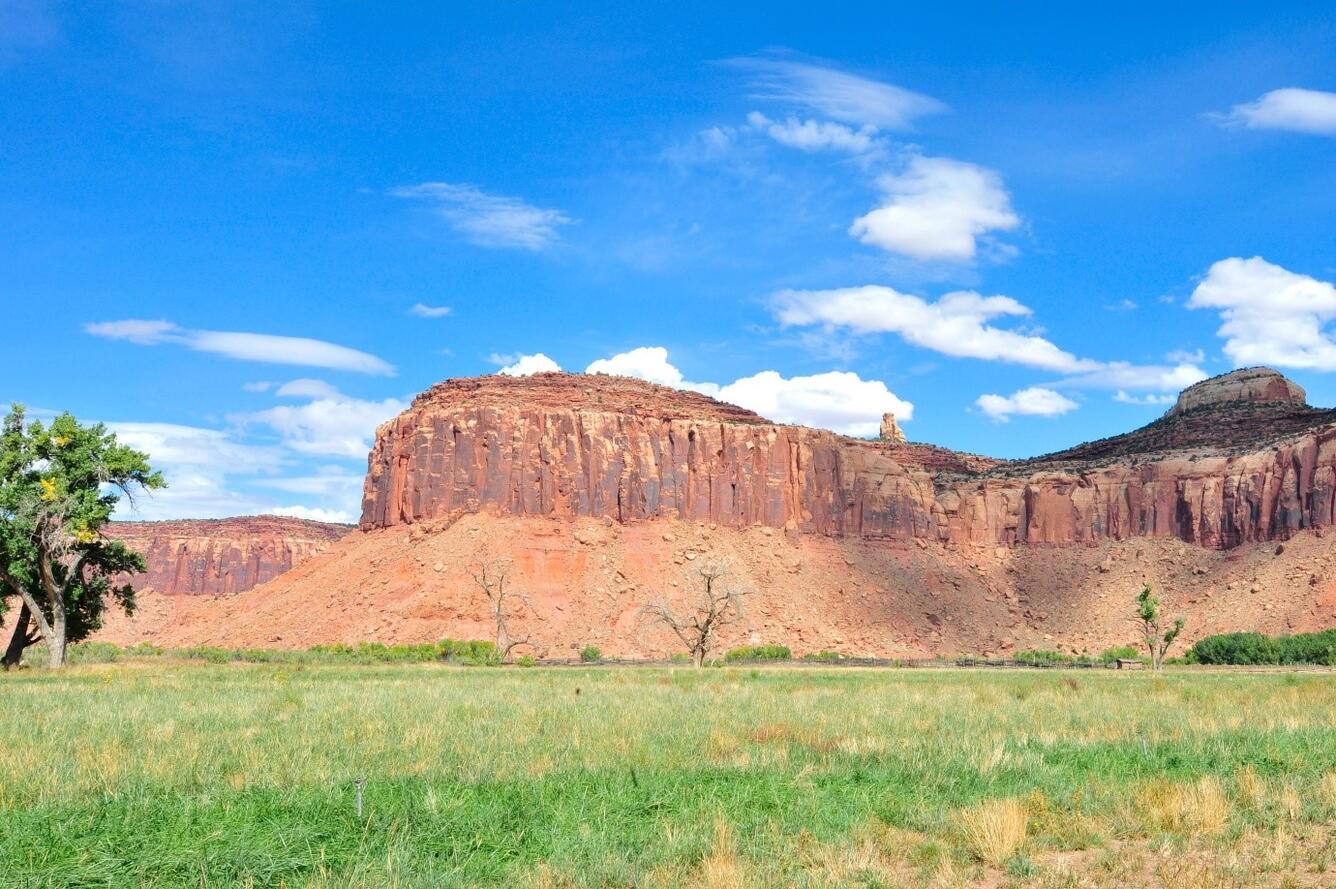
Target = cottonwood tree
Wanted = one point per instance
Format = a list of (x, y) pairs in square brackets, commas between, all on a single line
[(713, 602), (58, 487), (1157, 638), (492, 576)]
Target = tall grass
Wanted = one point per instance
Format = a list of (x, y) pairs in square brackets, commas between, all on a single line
[(165, 773)]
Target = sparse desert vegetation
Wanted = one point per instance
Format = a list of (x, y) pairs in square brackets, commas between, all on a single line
[(242, 774)]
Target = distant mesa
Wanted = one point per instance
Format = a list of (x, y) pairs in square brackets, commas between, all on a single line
[(1249, 385)]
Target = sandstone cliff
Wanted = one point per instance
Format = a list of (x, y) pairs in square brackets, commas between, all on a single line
[(222, 556), (1242, 459)]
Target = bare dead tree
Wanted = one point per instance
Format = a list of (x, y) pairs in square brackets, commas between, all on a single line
[(715, 601), (492, 575)]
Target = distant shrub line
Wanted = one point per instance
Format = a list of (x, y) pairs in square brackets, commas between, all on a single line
[(1256, 648), (469, 652)]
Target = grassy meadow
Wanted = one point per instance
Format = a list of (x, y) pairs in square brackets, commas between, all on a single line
[(165, 773)]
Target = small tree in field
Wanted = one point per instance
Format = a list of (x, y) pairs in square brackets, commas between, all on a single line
[(492, 575), (58, 487), (1157, 638), (714, 603)]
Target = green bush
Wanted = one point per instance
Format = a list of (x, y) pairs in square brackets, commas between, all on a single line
[(1120, 653), (590, 654), (759, 653), (825, 657), (1256, 648), (1040, 656), (526, 660)]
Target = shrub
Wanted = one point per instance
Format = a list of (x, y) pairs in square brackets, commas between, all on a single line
[(759, 653), (994, 830), (1236, 648), (825, 657), (526, 660), (590, 654), (1043, 657), (1120, 653)]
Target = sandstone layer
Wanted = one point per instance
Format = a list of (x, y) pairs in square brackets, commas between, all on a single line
[(1230, 468), (222, 556)]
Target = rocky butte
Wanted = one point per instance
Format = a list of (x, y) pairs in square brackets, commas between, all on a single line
[(222, 556), (605, 490)]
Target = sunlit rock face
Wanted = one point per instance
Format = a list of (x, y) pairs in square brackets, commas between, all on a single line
[(1240, 458)]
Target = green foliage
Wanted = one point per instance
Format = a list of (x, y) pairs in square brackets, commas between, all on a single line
[(590, 654), (759, 653), (59, 484), (1256, 648), (526, 660), (1157, 638), (1120, 653), (1043, 657), (825, 657)]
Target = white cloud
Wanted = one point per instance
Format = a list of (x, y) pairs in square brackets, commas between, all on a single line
[(523, 365), (1125, 397), (307, 388), (1034, 401), (244, 346), (937, 209), (1183, 356), (836, 400), (1271, 315), (332, 424), (257, 386), (816, 135), (837, 94), (422, 310), (196, 463), (316, 514), (840, 401), (646, 363), (958, 324), (1124, 375), (954, 325), (1298, 110), (489, 220)]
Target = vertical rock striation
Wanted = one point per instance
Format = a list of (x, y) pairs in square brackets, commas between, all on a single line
[(1241, 458)]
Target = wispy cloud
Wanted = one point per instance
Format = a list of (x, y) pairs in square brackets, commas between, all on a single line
[(242, 346), (422, 310), (489, 220), (330, 423), (1292, 108), (836, 94), (817, 135)]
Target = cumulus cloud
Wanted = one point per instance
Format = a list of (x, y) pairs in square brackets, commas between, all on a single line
[(816, 135), (242, 346), (523, 365), (331, 423), (956, 324), (422, 310), (1271, 315), (837, 400), (937, 208), (1294, 109), (646, 363), (837, 94), (489, 220), (1124, 375), (1036, 401)]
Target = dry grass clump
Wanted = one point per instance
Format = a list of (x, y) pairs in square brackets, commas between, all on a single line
[(722, 868), (1183, 808), (995, 830)]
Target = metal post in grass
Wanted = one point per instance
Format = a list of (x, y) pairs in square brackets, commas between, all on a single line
[(359, 783)]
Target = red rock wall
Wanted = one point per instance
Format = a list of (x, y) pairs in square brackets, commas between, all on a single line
[(224, 556), (439, 460)]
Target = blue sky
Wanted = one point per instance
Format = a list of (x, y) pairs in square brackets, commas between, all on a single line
[(244, 237)]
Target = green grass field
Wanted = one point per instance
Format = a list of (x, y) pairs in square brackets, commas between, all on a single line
[(172, 774)]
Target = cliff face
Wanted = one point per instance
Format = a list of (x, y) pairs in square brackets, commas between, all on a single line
[(222, 556), (1243, 460)]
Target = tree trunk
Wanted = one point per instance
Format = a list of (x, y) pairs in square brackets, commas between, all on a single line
[(19, 641), (56, 641), (698, 657)]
